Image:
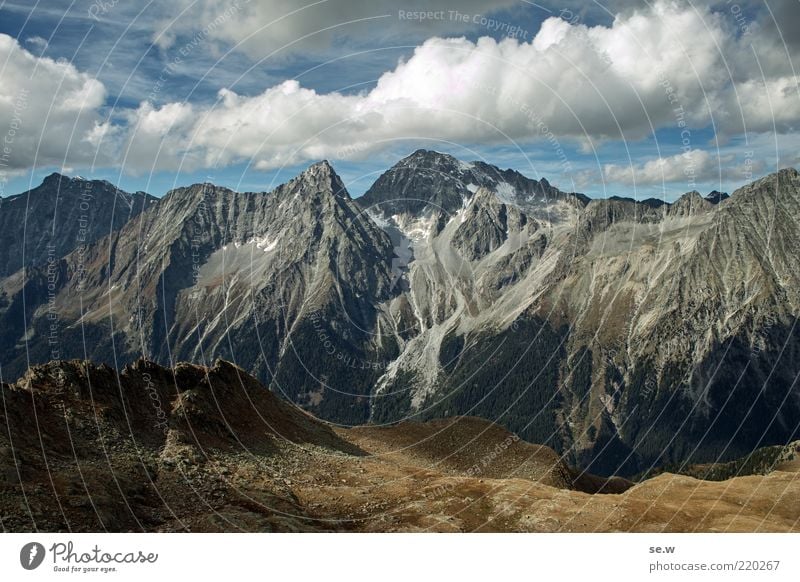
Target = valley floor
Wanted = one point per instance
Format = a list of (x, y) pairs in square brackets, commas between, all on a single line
[(82, 451), (394, 486)]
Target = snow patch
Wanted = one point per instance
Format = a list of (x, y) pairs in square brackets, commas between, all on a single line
[(378, 219), (416, 229), (506, 193), (265, 244)]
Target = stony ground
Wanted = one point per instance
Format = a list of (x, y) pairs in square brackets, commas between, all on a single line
[(80, 451)]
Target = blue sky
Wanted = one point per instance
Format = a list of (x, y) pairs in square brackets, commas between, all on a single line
[(176, 99)]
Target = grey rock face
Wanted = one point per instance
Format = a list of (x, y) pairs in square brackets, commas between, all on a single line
[(258, 277), (60, 215), (614, 332)]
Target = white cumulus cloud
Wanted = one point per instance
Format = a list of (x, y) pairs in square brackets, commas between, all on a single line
[(47, 109)]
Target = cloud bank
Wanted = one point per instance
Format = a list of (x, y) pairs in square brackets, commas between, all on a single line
[(665, 66)]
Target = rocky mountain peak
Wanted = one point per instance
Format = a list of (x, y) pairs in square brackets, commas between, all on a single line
[(689, 204), (429, 158), (320, 178), (54, 178), (181, 203), (715, 196), (60, 214), (783, 185), (428, 182), (71, 184)]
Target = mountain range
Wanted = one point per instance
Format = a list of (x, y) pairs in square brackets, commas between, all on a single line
[(624, 334)]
